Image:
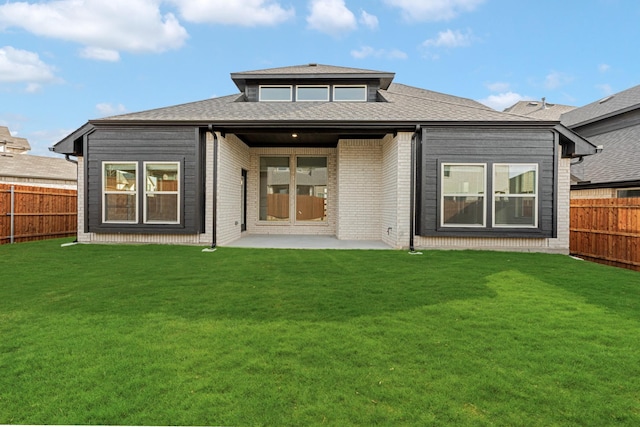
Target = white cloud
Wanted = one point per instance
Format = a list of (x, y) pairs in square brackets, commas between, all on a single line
[(498, 86), (449, 39), (368, 51), (605, 89), (247, 13), (556, 79), (331, 17), (22, 66), (502, 100), (433, 10), (104, 27), (603, 68), (106, 109), (100, 54), (368, 20)]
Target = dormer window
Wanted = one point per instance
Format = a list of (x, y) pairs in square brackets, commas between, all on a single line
[(350, 93), (276, 93), (312, 93)]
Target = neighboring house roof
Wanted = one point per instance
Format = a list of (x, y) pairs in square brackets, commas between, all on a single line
[(36, 167), (614, 124), (9, 143), (608, 106), (618, 162), (539, 109)]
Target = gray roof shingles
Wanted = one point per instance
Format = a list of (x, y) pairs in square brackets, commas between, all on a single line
[(605, 107), (28, 166), (404, 104)]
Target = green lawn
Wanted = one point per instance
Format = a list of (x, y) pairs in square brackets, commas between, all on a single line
[(168, 335)]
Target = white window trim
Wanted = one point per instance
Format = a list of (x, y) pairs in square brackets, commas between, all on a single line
[(312, 86), (534, 195), (177, 192), (105, 192), (290, 87), (364, 99), (484, 197)]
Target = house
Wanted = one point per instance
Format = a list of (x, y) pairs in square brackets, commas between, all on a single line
[(613, 123), (324, 150), (542, 109), (19, 167)]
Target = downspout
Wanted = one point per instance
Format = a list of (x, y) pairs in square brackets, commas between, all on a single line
[(215, 190), (412, 206), (66, 157)]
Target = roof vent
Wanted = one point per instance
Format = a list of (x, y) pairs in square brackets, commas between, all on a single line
[(313, 64), (603, 100)]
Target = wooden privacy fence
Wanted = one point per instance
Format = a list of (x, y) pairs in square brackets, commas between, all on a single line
[(36, 213), (606, 231)]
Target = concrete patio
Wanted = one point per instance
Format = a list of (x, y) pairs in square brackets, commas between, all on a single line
[(282, 241)]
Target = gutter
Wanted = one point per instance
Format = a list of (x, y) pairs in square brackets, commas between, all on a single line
[(412, 208), (214, 202)]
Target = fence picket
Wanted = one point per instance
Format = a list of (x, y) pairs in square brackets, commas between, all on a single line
[(606, 231), (40, 213)]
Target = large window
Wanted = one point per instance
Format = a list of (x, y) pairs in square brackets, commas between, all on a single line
[(275, 93), (120, 197), (311, 189), (463, 195), (515, 195), (121, 181), (309, 181), (162, 193), (274, 188)]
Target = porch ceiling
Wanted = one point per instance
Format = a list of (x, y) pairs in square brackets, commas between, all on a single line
[(302, 137)]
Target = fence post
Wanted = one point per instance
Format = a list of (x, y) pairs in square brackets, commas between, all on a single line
[(13, 203)]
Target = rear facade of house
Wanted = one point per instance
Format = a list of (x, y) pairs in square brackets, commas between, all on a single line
[(324, 150)]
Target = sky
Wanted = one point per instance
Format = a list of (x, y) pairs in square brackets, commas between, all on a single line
[(64, 62)]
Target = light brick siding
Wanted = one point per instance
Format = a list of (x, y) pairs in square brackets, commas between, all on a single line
[(255, 226), (594, 193), (233, 156), (361, 191)]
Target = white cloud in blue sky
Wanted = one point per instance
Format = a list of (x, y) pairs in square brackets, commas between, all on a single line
[(501, 101), (556, 79), (331, 17), (370, 52), (22, 66), (433, 10), (368, 20), (103, 27), (248, 13), (449, 39)]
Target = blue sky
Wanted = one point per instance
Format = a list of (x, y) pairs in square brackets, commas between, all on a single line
[(64, 62)]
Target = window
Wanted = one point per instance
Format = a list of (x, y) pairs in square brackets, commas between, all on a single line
[(350, 93), (305, 189), (515, 195), (120, 201), (312, 93), (631, 192), (162, 193), (274, 188), (311, 189), (275, 93), (463, 191)]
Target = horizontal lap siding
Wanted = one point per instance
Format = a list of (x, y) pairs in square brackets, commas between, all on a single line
[(487, 146), (145, 144)]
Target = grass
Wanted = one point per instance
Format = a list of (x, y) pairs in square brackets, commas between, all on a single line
[(169, 335)]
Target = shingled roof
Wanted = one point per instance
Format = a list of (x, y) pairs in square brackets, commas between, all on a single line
[(402, 104), (539, 109), (608, 106), (10, 143), (30, 168)]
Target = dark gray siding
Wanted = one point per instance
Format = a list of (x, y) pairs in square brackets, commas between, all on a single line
[(486, 145), (144, 144)]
